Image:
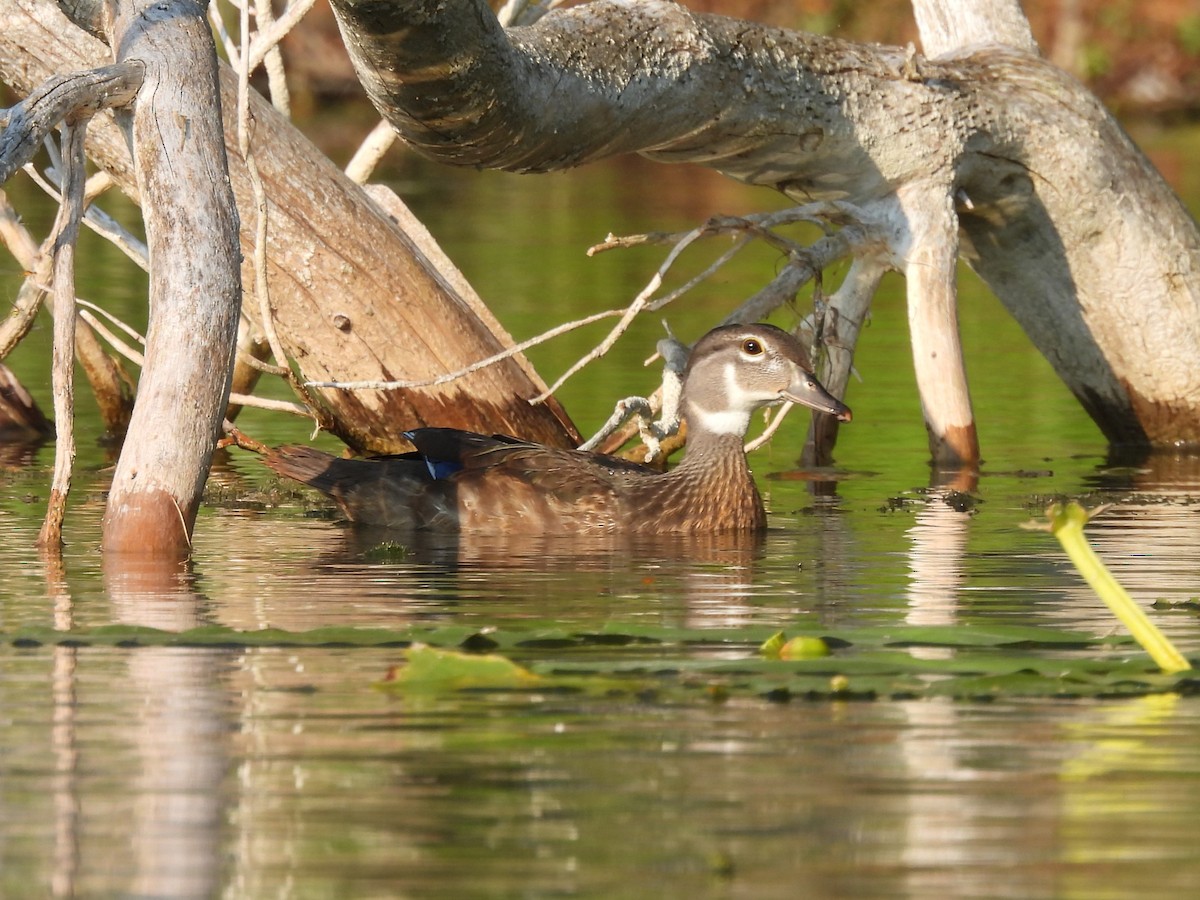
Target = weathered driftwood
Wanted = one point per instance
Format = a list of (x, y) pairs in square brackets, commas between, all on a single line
[(67, 228), (355, 298), (992, 154)]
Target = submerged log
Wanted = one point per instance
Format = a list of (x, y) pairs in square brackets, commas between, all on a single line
[(987, 151)]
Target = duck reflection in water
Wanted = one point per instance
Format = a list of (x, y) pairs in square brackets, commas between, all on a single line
[(462, 483)]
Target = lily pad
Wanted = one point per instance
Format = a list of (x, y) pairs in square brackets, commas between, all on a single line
[(692, 664), (430, 668)]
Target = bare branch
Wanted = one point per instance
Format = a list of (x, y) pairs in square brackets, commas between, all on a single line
[(98, 220), (370, 152), (228, 44), (272, 59), (717, 264), (772, 427), (474, 367), (261, 288), (286, 406), (63, 98), (36, 262), (266, 39), (805, 263), (134, 356), (641, 409), (111, 387), (67, 228)]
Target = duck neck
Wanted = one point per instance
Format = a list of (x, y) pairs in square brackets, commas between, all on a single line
[(718, 461), (714, 435), (712, 487), (708, 449)]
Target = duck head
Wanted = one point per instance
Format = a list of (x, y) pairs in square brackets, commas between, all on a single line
[(735, 369)]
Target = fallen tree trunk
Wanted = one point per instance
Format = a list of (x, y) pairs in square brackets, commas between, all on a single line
[(355, 297), (993, 154)]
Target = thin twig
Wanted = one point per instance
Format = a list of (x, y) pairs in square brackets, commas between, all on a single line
[(287, 406), (639, 303), (265, 367), (771, 428), (810, 213), (115, 342), (802, 267), (101, 311), (227, 42), (261, 288), (268, 38), (757, 226), (273, 60), (63, 353), (474, 367), (100, 222), (720, 261)]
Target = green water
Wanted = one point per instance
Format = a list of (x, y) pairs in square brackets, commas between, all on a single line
[(282, 771)]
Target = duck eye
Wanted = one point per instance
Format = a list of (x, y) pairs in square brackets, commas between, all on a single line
[(751, 347)]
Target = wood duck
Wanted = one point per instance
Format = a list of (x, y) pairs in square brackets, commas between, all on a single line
[(467, 482)]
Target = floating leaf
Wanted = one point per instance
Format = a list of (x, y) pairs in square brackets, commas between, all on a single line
[(678, 664), (429, 668)]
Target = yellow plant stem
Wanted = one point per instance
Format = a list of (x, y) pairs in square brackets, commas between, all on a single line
[(1067, 524)]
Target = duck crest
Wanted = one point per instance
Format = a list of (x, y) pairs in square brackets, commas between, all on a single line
[(463, 481)]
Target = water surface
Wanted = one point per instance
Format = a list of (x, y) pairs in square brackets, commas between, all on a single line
[(282, 770)]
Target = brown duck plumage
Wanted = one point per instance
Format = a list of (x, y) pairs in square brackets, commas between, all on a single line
[(461, 481)]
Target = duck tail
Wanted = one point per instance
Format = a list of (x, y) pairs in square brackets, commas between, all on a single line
[(319, 470), (382, 490)]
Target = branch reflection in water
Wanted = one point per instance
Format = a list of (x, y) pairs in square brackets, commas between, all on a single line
[(181, 701)]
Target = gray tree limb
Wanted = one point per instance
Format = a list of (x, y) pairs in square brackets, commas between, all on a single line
[(1044, 194), (63, 98)]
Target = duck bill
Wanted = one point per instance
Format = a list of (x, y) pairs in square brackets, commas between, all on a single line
[(810, 393)]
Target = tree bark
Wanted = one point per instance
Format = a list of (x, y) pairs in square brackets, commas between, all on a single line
[(955, 26), (195, 288), (1062, 216)]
